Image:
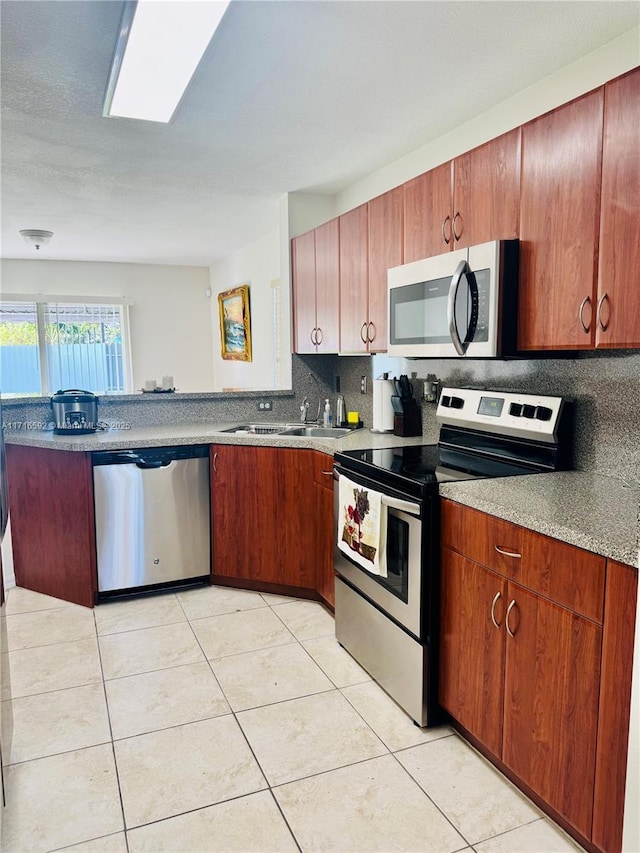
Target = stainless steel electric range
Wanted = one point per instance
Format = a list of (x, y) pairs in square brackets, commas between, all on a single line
[(387, 614)]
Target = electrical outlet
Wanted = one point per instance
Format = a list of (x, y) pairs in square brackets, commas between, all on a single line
[(363, 384), (265, 405)]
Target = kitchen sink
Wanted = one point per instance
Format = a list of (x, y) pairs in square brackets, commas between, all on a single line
[(318, 432), (286, 430), (257, 429)]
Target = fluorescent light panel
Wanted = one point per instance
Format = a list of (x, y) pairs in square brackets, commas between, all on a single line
[(157, 54)]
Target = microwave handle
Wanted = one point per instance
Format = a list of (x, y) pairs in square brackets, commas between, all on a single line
[(463, 269)]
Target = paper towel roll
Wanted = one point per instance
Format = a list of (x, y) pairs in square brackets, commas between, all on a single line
[(382, 409)]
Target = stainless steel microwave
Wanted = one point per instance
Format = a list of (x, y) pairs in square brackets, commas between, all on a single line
[(462, 303)]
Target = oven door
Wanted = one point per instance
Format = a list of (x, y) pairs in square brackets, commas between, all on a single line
[(400, 594)]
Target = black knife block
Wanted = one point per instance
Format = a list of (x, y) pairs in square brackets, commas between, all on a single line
[(407, 421)]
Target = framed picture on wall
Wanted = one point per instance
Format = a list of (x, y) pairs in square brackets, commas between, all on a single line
[(235, 323)]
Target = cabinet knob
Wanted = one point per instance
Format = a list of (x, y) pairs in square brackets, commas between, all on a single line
[(604, 298), (586, 301)]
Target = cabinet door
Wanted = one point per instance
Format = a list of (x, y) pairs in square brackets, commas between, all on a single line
[(303, 264), (328, 287), (386, 217), (618, 317), (559, 221), (261, 525), (427, 214), (551, 703), (486, 194), (52, 522), (354, 280), (472, 648)]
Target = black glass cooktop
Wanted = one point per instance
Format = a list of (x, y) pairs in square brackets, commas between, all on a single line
[(418, 469)]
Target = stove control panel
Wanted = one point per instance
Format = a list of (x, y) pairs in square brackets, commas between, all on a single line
[(534, 416)]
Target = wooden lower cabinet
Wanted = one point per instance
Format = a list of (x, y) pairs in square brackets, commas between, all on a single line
[(472, 652), (542, 684), (52, 522), (269, 518), (552, 683)]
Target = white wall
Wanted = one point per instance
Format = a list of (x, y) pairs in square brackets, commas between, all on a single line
[(258, 265), (569, 82), (170, 328)]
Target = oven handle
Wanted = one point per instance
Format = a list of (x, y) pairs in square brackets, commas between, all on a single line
[(387, 500), (402, 506)]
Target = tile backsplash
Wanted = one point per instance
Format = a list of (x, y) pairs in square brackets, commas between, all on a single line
[(604, 386)]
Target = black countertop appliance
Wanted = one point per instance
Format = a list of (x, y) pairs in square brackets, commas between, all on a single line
[(75, 412)]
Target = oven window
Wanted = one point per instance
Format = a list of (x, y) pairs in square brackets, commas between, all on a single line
[(397, 580)]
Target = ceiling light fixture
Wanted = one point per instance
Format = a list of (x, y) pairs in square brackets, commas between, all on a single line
[(159, 47), (36, 238)]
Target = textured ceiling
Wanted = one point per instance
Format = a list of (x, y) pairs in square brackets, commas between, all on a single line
[(290, 96)]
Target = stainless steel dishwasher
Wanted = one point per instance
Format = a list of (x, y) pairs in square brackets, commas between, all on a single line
[(152, 515)]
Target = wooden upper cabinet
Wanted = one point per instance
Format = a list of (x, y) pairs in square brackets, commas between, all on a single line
[(327, 287), (486, 192), (386, 218), (303, 263), (427, 214), (354, 279), (559, 221), (618, 307)]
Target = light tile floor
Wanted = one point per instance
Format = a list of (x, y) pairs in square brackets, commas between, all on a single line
[(221, 720)]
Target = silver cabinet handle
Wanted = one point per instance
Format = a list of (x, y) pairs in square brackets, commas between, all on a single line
[(604, 298), (327, 473), (461, 269), (496, 599), (319, 336), (506, 618), (363, 334), (214, 462), (456, 236), (313, 337), (508, 553), (371, 337), (585, 301), (446, 239)]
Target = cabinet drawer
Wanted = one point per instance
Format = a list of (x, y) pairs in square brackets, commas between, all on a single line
[(563, 573)]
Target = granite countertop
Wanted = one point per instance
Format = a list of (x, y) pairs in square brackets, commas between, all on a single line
[(198, 433), (589, 510), (592, 511)]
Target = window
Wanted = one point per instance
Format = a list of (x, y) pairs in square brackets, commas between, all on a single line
[(46, 346)]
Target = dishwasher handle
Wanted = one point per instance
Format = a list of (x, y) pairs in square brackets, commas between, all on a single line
[(156, 463)]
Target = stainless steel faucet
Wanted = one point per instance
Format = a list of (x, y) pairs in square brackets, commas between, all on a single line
[(304, 408), (305, 404)]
